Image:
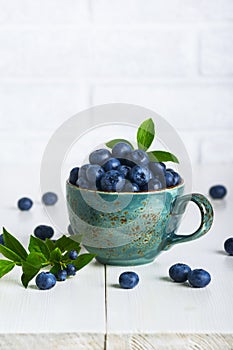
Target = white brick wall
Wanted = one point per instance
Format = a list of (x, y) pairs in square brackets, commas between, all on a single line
[(173, 56)]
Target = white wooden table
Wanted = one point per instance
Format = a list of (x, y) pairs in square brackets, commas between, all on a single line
[(90, 311)]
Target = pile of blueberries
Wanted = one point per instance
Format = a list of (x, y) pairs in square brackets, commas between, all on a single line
[(123, 170)]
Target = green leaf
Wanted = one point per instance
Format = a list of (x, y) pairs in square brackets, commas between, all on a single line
[(36, 259), (32, 266), (146, 134), (66, 243), (162, 156), (39, 246), (50, 244), (55, 269), (9, 254), (29, 271), (112, 143), (12, 243), (5, 267), (82, 260), (55, 256)]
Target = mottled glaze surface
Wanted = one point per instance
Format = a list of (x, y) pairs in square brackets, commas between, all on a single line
[(132, 228)]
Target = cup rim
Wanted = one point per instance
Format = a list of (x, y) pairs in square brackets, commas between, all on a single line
[(167, 189)]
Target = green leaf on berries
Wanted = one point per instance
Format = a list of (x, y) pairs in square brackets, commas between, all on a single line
[(5, 267), (82, 260), (38, 246), (55, 268), (50, 244), (29, 271), (36, 259), (146, 134), (13, 244), (9, 254), (112, 143), (55, 256), (162, 156), (66, 243)]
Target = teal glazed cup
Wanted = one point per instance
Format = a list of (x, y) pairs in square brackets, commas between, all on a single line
[(126, 229)]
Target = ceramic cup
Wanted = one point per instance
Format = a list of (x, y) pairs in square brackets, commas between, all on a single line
[(132, 228)]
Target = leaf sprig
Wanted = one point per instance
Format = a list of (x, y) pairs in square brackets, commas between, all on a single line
[(145, 136), (48, 253)]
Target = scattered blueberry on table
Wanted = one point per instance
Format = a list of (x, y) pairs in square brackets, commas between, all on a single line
[(179, 272), (199, 278), (45, 280), (123, 170), (128, 280), (228, 246), (49, 198), (43, 232), (217, 192), (25, 203)]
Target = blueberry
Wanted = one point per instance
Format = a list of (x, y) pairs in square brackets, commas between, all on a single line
[(163, 165), (61, 275), (228, 245), (71, 270), (127, 161), (124, 169), (111, 164), (82, 183), (154, 185), (45, 280), (94, 173), (157, 168), (49, 198), (2, 240), (131, 187), (169, 179), (83, 171), (199, 278), (128, 280), (73, 254), (139, 157), (121, 149), (112, 181), (74, 175), (179, 272), (217, 191), (25, 203), (99, 156), (140, 175), (43, 232)]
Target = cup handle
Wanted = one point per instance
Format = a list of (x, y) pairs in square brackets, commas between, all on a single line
[(178, 210)]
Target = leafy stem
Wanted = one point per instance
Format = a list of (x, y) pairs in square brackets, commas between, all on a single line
[(145, 136), (41, 254)]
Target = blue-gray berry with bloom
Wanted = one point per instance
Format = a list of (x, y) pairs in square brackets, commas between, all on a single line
[(61, 275), (24, 203), (128, 279), (43, 232), (45, 280), (73, 255), (70, 269), (199, 278), (179, 272), (228, 246), (49, 198)]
